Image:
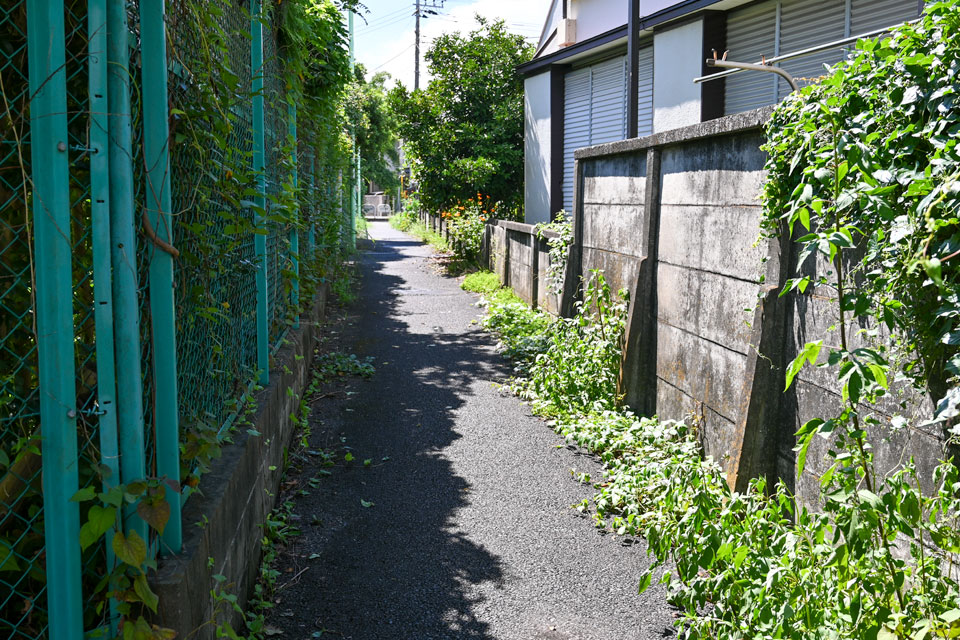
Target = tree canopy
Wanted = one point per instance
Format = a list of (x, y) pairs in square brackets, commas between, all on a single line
[(375, 127), (464, 132)]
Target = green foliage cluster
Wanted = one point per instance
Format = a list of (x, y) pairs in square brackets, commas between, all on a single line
[(374, 124), (309, 68), (577, 373), (464, 132), (754, 564), (565, 366), (867, 162), (408, 222), (466, 223), (403, 220), (485, 282), (559, 244)]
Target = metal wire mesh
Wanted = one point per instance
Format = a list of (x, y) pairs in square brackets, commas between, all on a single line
[(22, 581), (216, 272), (278, 244), (215, 275)]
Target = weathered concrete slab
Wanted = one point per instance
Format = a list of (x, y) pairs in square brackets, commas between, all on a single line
[(704, 370), (726, 171), (713, 238), (615, 180), (521, 265), (716, 429), (618, 228), (707, 305), (620, 271)]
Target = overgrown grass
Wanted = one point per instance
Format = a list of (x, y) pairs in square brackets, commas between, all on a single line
[(412, 225), (740, 566), (485, 282)]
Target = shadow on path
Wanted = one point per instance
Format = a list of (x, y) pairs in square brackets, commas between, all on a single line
[(468, 533)]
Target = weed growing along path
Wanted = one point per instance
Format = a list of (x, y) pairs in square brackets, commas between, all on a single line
[(460, 526)]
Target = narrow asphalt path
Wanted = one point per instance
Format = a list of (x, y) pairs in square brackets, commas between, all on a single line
[(470, 533)]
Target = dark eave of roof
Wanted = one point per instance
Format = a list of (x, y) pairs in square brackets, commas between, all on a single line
[(648, 22), (540, 64)]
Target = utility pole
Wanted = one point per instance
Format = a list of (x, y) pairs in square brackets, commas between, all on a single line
[(416, 63), (427, 7)]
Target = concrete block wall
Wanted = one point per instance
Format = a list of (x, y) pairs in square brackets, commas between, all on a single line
[(521, 260), (707, 275), (235, 497), (674, 219)]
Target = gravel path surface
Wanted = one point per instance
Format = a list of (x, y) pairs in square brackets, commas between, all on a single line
[(470, 534)]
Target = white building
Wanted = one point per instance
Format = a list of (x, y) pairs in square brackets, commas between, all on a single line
[(590, 82)]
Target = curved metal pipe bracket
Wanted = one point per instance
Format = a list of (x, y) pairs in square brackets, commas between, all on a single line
[(769, 68)]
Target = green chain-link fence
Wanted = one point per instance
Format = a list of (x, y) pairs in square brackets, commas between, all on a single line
[(64, 382), (22, 579)]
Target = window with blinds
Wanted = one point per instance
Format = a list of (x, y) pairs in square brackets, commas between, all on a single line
[(595, 108), (780, 27)]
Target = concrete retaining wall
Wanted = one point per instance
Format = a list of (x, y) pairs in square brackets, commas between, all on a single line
[(521, 259), (674, 219), (235, 498)]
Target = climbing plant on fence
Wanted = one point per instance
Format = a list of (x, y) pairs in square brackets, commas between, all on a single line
[(82, 348), (863, 173)]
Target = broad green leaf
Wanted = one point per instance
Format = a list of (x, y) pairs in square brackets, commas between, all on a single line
[(85, 494), (870, 498), (810, 353), (155, 512), (145, 593), (99, 521), (645, 579), (130, 549)]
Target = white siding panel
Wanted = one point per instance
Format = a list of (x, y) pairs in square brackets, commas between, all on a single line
[(870, 15), (807, 23), (645, 92), (576, 126), (751, 35)]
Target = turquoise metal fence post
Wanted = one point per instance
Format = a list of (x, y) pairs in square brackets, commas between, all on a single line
[(259, 155), (54, 291), (312, 235), (102, 270), (295, 232), (358, 180), (156, 152), (123, 250)]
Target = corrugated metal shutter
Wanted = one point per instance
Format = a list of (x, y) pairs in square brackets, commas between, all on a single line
[(576, 125), (807, 23), (751, 34), (609, 104), (645, 82), (869, 15)]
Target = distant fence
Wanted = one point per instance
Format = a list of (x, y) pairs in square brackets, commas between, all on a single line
[(123, 337), (517, 253), (674, 219)]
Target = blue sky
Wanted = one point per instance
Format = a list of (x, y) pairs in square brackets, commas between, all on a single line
[(386, 42)]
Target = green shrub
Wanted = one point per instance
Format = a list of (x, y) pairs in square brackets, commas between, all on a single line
[(485, 282), (403, 220), (578, 372)]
